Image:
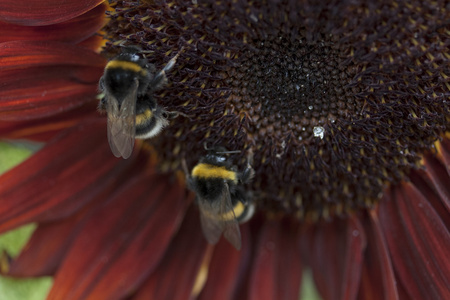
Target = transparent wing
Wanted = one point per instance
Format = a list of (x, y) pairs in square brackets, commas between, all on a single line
[(122, 123), (231, 231), (217, 217)]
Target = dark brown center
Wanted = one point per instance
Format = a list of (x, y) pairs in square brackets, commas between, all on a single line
[(336, 101), (292, 86)]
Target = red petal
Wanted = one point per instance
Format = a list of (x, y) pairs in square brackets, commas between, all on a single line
[(72, 31), (59, 179), (46, 129), (421, 181), (39, 92), (181, 263), (444, 150), (439, 177), (336, 250), (418, 241), (43, 12), (277, 269), (27, 54), (402, 293), (44, 251), (49, 243), (378, 279), (95, 43), (225, 268), (121, 244)]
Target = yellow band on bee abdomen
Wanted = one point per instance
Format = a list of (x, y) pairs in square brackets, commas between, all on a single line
[(142, 118), (238, 211), (126, 65), (211, 171)]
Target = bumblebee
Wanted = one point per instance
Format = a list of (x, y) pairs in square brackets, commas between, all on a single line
[(221, 198), (128, 83)]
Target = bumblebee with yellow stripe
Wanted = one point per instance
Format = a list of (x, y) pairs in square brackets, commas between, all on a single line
[(128, 84), (221, 197)]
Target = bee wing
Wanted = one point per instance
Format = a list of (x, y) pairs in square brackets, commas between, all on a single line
[(218, 217), (122, 123), (231, 232)]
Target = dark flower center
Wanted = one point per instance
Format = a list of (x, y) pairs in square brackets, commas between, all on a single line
[(336, 101), (292, 87)]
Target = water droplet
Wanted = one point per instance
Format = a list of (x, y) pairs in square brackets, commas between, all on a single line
[(319, 131)]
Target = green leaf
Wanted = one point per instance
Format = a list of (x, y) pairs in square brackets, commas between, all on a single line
[(308, 288), (11, 154), (24, 289)]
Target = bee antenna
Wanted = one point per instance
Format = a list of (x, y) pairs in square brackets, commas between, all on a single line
[(220, 152), (130, 48), (184, 166), (250, 157), (228, 152), (176, 114)]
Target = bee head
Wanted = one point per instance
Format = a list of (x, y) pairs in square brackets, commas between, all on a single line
[(133, 54), (219, 155)]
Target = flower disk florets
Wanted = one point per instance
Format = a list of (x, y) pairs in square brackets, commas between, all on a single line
[(335, 100)]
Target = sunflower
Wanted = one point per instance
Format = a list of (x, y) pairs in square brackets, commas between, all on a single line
[(345, 105)]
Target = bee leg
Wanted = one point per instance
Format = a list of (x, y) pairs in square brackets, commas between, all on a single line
[(101, 88), (250, 157), (160, 115), (189, 183), (160, 78), (175, 114), (249, 172), (102, 103), (159, 81), (172, 62), (101, 84), (240, 195)]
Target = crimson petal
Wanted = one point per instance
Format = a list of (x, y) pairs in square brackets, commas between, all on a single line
[(39, 92), (26, 54), (377, 278), (122, 242), (226, 268), (277, 268), (418, 241), (95, 43), (444, 150), (47, 246), (181, 262), (439, 176), (338, 248), (43, 130), (61, 178), (43, 12), (73, 31), (420, 179), (51, 240)]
